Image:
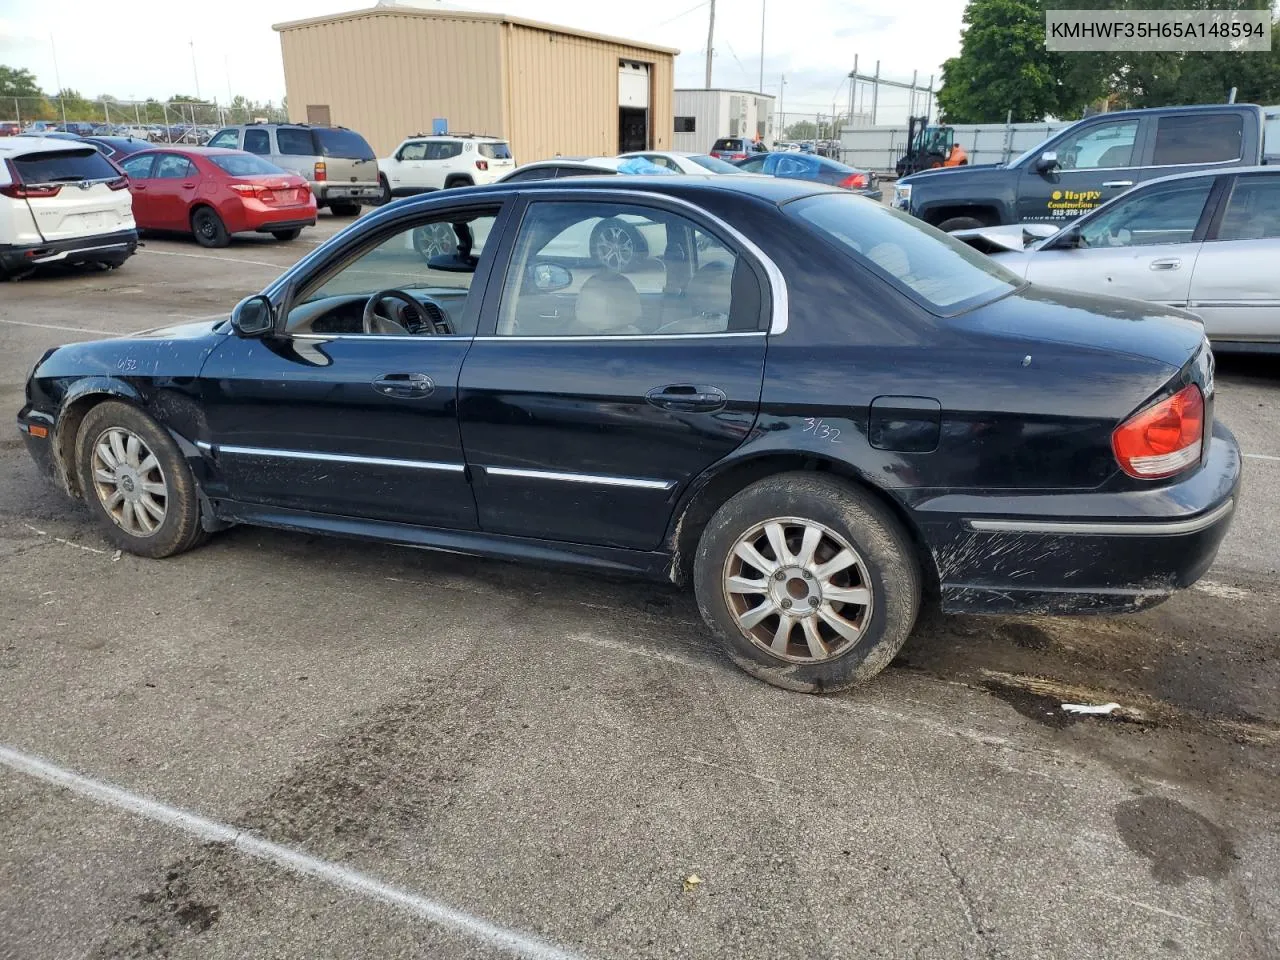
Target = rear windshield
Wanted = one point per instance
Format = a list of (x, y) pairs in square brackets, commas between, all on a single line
[(295, 142), (495, 151), (942, 273), (65, 166), (715, 164), (728, 144), (244, 165), (344, 144)]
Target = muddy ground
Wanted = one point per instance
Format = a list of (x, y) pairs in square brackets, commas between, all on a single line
[(558, 754)]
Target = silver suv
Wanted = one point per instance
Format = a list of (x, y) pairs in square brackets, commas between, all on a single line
[(337, 162)]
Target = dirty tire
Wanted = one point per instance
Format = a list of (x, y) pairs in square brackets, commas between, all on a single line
[(287, 235), (208, 228), (180, 529), (960, 223), (453, 183), (869, 528), (345, 209), (383, 185)]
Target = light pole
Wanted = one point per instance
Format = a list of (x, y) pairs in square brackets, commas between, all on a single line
[(782, 117), (762, 5), (194, 73), (62, 101)]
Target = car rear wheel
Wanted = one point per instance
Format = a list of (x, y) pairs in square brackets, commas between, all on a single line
[(345, 209), (287, 234), (811, 583), (137, 482), (208, 228), (457, 181), (960, 223)]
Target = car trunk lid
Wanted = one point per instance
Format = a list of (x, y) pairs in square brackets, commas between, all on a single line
[(72, 193)]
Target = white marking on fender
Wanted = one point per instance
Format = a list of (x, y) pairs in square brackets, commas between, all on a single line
[(433, 911)]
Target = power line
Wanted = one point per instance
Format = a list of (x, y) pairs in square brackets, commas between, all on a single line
[(685, 14)]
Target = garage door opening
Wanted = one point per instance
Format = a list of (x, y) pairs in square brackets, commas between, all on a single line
[(633, 106)]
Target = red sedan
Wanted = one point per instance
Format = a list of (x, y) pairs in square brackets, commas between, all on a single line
[(213, 193)]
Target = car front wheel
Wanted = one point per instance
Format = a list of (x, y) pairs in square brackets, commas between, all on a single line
[(137, 482), (811, 583)]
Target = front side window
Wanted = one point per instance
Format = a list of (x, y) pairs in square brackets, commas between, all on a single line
[(943, 273), (1104, 146), (226, 138), (1163, 214), (1253, 212), (138, 168), (431, 265), (170, 166), (413, 151), (292, 141), (257, 141), (612, 269), (1191, 138)]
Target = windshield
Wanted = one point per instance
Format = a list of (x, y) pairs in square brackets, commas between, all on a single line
[(714, 164), (942, 273), (245, 165), (344, 144)]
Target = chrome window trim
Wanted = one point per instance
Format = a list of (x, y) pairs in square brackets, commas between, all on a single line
[(569, 338), (1137, 528), (638, 483), (329, 457), (422, 338)]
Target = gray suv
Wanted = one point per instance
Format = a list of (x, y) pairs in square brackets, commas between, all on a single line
[(337, 162)]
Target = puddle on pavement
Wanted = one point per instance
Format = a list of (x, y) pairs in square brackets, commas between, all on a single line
[(1178, 842)]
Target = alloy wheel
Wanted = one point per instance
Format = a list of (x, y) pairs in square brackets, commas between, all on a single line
[(798, 590), (436, 239), (615, 247), (129, 481)]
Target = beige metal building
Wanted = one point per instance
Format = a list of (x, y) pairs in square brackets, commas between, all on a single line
[(391, 70)]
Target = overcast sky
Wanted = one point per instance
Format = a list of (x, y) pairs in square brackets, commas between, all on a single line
[(143, 48)]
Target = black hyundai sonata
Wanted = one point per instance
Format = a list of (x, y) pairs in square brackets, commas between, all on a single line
[(815, 409)]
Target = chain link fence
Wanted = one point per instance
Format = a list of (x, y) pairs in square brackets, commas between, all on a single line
[(172, 121), (810, 131)]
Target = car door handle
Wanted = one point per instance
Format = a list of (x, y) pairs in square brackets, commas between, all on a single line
[(1117, 183), (409, 386), (687, 397), (188, 186), (138, 186), (1167, 263)]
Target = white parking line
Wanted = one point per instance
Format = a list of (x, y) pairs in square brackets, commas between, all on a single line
[(204, 256), (510, 941), (1261, 456), (54, 326)]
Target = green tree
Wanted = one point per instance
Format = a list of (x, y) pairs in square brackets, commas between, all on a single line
[(801, 130), (1004, 67), (15, 82)]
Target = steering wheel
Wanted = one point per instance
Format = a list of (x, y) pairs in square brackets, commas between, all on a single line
[(412, 317)]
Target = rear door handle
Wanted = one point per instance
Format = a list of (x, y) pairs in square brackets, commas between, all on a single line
[(189, 186), (1117, 183), (687, 397), (408, 386), (1166, 263)]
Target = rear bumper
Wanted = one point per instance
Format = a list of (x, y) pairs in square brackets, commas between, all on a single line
[(290, 224), (327, 191), (106, 247), (1083, 553)]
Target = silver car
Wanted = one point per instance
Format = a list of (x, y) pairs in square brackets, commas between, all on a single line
[(1207, 241)]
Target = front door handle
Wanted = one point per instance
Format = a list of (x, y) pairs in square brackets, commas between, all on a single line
[(1117, 183), (1166, 263), (687, 397), (407, 386)]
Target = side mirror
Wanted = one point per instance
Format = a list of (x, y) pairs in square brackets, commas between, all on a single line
[(253, 316), (550, 277), (1048, 161)]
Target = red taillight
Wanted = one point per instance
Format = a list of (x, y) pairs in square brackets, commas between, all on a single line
[(255, 190), (482, 164), (20, 191), (1164, 439), (738, 156), (320, 173), (119, 183), (854, 181)]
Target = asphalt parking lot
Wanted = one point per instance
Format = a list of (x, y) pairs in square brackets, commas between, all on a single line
[(286, 746)]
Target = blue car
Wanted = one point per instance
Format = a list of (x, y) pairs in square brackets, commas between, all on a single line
[(808, 166)]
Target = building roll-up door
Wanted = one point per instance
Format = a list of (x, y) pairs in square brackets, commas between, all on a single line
[(633, 106)]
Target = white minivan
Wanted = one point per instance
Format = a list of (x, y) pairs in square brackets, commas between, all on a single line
[(61, 202)]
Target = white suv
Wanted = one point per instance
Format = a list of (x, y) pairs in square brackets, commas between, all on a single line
[(61, 202), (423, 163)]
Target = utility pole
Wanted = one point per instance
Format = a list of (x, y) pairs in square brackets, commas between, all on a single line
[(782, 117), (62, 101), (711, 34), (762, 5), (193, 71)]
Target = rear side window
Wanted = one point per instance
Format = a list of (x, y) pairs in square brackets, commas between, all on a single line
[(293, 142), (65, 166), (1254, 210), (939, 271), (245, 165), (257, 141), (226, 138), (1198, 139), (444, 150), (495, 151), (343, 144)]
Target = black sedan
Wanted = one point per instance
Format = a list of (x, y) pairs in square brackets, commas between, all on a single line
[(809, 166), (118, 148), (814, 409)]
